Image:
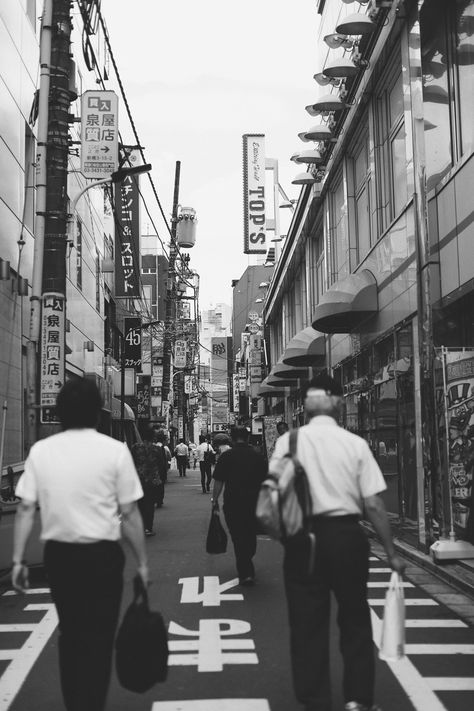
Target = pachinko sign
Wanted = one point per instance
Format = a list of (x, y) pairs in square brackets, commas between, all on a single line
[(255, 241)]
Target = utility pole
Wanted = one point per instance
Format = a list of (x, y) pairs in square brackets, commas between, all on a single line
[(41, 187), (170, 312)]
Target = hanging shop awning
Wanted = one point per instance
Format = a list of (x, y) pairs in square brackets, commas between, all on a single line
[(289, 372), (279, 383), (266, 390), (306, 348), (347, 304)]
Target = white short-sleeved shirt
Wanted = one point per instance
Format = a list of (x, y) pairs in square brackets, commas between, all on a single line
[(79, 478), (203, 447), (339, 464)]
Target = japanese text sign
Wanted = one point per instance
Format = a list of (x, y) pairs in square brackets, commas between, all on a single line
[(143, 397), (254, 194), (127, 238), (180, 351), (132, 343), (99, 134), (52, 353)]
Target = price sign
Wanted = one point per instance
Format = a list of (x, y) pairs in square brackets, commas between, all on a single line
[(133, 343)]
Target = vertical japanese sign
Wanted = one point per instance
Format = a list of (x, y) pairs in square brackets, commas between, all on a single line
[(99, 134), (254, 194), (235, 392), (133, 343), (52, 354), (180, 353), (127, 238), (143, 397)]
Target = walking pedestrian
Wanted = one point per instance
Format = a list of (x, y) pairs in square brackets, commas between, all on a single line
[(150, 464), (82, 481), (240, 470), (206, 457), (282, 427), (344, 480), (181, 453), (159, 440)]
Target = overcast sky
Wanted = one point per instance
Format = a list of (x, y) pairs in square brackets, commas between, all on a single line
[(198, 75)]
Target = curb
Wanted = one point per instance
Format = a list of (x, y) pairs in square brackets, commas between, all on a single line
[(455, 574)]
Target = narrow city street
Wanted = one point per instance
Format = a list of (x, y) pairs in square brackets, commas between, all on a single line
[(228, 644)]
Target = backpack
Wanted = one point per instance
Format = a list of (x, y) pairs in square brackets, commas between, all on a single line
[(284, 502), (209, 457)]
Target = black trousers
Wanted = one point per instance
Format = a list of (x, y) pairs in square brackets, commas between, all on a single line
[(206, 475), (86, 587), (146, 505), (341, 565), (241, 523), (181, 463)]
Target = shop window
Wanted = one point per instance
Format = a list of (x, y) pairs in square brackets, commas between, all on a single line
[(464, 58), (337, 232), (361, 177), (436, 90), (391, 153), (447, 54)]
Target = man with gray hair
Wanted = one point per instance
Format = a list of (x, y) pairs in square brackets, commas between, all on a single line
[(344, 480)]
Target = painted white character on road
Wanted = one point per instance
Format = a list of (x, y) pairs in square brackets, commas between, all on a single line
[(212, 591), (207, 650)]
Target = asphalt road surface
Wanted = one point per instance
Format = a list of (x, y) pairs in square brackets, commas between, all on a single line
[(229, 645)]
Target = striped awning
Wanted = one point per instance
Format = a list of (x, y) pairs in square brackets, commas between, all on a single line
[(348, 303), (306, 348)]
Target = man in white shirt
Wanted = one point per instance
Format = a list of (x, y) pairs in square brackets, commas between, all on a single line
[(344, 480), (206, 456), (86, 486), (181, 453)]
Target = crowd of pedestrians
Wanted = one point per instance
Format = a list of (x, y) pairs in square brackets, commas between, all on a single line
[(92, 490)]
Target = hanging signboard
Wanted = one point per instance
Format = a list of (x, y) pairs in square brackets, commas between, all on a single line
[(132, 342), (127, 238), (99, 134), (235, 392), (52, 354), (180, 354), (255, 240), (143, 397), (270, 433)]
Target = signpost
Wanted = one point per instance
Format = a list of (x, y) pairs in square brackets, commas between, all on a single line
[(99, 134)]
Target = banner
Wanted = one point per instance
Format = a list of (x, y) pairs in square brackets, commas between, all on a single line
[(143, 397), (132, 342), (52, 354), (180, 354), (255, 240), (99, 134), (460, 407), (127, 238)]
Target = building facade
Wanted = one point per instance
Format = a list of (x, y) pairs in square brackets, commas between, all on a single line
[(379, 258)]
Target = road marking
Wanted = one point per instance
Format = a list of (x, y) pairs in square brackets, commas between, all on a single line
[(18, 628), (435, 623), (422, 601), (416, 688), (380, 570), (212, 592), (212, 637), (451, 683), (213, 705), (31, 591), (385, 584), (8, 654), (439, 649), (16, 672)]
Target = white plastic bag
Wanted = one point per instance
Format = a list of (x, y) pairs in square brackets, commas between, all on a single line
[(392, 643)]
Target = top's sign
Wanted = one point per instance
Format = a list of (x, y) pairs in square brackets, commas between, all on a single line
[(254, 194), (99, 134)]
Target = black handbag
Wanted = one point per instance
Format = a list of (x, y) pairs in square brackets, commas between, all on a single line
[(216, 541), (141, 647)]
